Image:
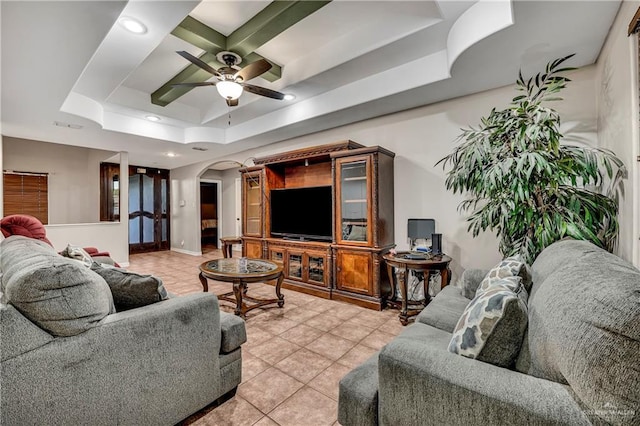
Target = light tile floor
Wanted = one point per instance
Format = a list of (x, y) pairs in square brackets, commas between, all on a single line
[(294, 357)]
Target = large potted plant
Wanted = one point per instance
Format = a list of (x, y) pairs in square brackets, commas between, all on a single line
[(526, 186)]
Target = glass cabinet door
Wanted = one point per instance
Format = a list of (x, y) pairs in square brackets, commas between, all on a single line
[(354, 214), (253, 204), (294, 265), (316, 268), (277, 255)]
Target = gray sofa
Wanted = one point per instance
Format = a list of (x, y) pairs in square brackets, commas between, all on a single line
[(579, 363), (153, 365)]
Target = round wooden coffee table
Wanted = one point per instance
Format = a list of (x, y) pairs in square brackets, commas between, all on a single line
[(240, 272), (404, 261)]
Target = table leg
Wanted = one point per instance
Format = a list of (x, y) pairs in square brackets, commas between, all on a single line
[(278, 293), (237, 291), (203, 281), (445, 277), (392, 281), (401, 275), (425, 284)]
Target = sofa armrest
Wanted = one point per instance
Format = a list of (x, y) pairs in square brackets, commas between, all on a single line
[(234, 333), (470, 281), (182, 310), (423, 384)]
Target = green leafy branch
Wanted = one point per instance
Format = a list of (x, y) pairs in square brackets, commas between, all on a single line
[(527, 187)]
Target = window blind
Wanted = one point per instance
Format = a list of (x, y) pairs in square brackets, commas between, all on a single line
[(26, 193)]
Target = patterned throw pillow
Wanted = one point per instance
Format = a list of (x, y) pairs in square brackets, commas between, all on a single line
[(509, 267), (77, 253), (492, 326)]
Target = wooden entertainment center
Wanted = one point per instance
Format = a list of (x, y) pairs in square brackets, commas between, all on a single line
[(349, 265)]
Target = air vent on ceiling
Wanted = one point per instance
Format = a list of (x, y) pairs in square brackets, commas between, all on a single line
[(69, 125), (197, 148)]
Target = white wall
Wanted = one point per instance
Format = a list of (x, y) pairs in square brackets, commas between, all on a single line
[(229, 203), (419, 137), (106, 236), (617, 103), (74, 176), (1, 180)]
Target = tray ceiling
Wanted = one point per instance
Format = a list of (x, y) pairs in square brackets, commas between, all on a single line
[(346, 61)]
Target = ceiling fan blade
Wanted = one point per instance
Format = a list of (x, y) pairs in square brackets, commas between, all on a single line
[(232, 102), (262, 91), (252, 70), (204, 83), (198, 62)]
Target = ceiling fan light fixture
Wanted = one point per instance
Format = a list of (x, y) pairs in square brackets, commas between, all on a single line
[(289, 97), (132, 25), (229, 89)]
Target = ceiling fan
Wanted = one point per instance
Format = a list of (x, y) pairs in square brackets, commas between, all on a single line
[(232, 80)]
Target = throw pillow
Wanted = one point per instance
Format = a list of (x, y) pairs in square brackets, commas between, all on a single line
[(509, 267), (77, 253), (492, 326), (131, 290), (59, 295), (24, 225)]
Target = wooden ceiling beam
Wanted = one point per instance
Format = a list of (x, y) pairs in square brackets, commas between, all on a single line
[(195, 32), (191, 74), (268, 23)]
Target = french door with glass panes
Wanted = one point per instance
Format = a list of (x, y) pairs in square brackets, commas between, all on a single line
[(148, 209)]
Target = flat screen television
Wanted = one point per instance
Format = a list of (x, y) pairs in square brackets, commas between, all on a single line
[(302, 213)]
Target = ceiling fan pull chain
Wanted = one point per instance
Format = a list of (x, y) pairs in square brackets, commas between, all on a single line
[(229, 109)]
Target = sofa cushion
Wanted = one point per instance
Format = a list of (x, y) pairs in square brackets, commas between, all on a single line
[(445, 309), (470, 280), (19, 335), (509, 267), (584, 328), (129, 289), (58, 294), (493, 324)]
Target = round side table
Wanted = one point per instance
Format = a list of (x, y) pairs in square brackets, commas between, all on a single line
[(404, 261)]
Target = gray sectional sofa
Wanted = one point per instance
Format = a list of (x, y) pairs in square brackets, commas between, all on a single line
[(579, 363), (81, 364)]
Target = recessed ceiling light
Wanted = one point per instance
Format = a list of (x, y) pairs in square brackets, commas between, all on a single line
[(289, 97), (171, 154), (152, 118), (132, 25)]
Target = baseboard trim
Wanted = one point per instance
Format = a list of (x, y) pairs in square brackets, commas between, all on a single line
[(124, 264), (189, 252)]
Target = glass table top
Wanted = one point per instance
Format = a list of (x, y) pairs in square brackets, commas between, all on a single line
[(241, 265)]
